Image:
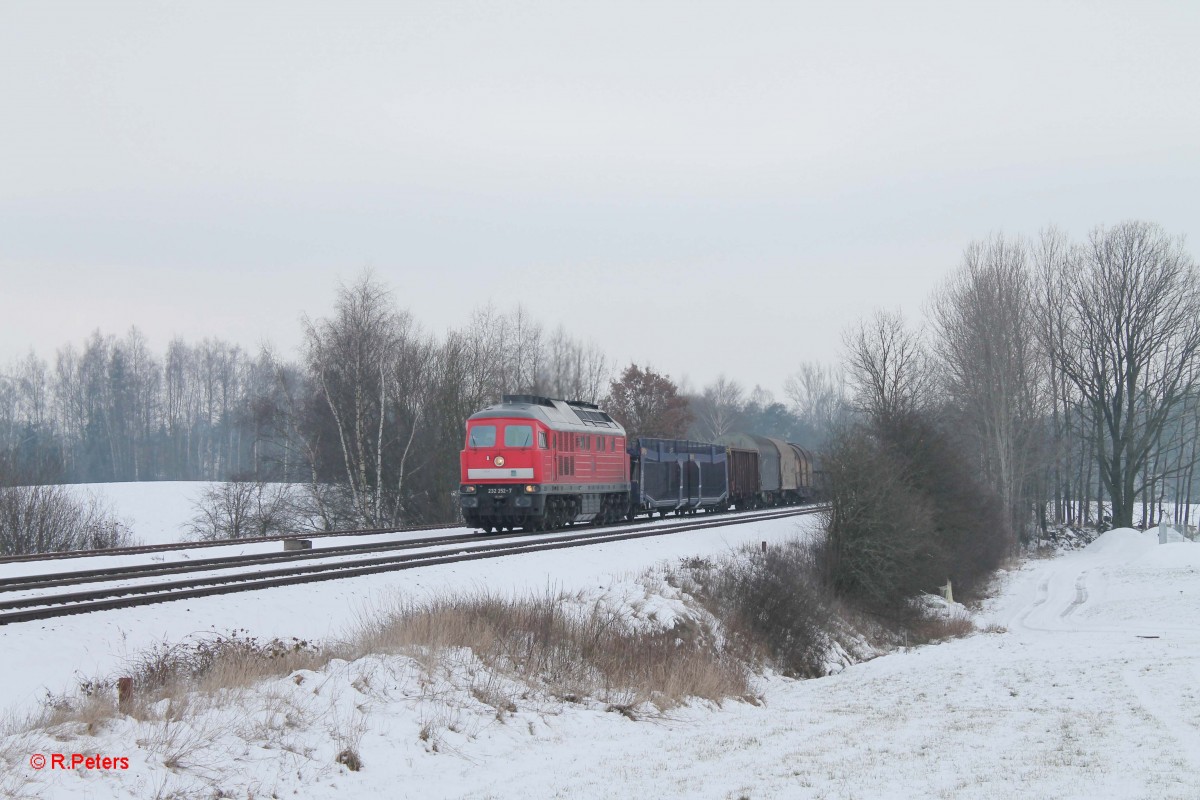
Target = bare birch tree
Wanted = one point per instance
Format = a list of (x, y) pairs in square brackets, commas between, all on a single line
[(350, 356)]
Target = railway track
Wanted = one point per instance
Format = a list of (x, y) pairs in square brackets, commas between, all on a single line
[(259, 571), (164, 548)]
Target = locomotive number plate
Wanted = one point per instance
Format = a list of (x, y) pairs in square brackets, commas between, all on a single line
[(499, 490)]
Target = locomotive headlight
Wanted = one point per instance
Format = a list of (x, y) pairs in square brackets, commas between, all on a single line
[(467, 489), (530, 488)]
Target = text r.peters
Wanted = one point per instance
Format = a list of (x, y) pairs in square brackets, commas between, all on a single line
[(79, 761)]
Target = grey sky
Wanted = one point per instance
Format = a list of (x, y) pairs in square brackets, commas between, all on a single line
[(213, 169)]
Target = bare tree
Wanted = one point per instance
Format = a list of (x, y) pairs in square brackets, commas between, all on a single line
[(818, 396), (241, 509), (573, 370), (412, 391), (350, 356), (718, 408), (886, 365), (990, 368), (1128, 340), (503, 352)]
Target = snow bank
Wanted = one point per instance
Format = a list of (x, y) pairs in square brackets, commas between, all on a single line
[(1178, 555), (1122, 544)]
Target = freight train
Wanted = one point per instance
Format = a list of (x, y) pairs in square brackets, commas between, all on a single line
[(537, 463)]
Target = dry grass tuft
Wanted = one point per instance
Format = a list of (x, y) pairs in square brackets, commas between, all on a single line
[(539, 642), (350, 760), (220, 661), (940, 627)]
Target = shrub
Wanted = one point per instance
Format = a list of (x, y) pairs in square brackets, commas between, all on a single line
[(878, 549), (240, 509), (47, 519), (906, 514), (770, 603)]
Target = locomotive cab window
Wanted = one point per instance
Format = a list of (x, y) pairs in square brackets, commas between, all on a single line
[(483, 436), (542, 439), (518, 436)]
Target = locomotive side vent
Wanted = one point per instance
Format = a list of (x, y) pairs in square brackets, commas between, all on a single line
[(596, 418)]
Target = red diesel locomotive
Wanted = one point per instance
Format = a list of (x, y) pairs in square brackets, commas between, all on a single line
[(535, 463)]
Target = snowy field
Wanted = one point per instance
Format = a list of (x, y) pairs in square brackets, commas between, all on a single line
[(1087, 685), (156, 512)]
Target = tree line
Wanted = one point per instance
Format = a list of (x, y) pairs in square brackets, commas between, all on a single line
[(369, 418), (1064, 374)]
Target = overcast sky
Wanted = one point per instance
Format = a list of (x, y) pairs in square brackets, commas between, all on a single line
[(707, 187)]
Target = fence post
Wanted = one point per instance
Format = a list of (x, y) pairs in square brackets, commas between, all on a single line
[(124, 695)]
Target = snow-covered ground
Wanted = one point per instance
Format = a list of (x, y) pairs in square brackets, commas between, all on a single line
[(1086, 686), (157, 512), (47, 656)]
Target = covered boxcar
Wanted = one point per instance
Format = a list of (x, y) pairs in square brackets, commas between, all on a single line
[(806, 470), (743, 477), (785, 473)]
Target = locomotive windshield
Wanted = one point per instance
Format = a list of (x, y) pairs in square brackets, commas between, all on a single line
[(483, 436), (518, 436)]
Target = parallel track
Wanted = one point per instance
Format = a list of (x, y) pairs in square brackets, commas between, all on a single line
[(162, 548), (452, 550)]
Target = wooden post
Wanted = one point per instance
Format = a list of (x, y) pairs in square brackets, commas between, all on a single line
[(764, 547), (124, 695), (947, 591)]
